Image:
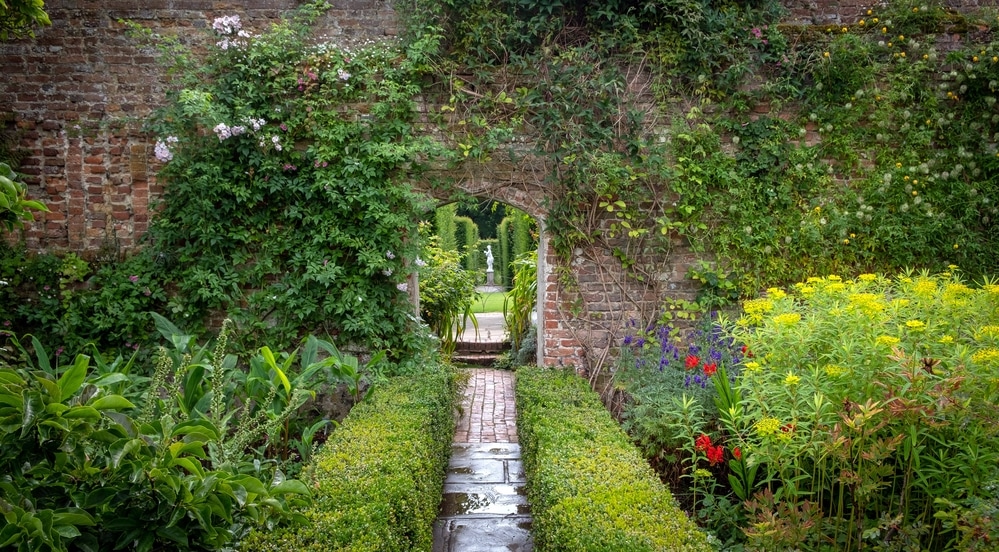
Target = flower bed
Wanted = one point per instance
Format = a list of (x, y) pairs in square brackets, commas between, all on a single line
[(588, 486), (861, 413), (378, 481)]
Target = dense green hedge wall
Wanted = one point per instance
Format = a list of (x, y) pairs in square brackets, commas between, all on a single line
[(378, 481), (589, 488)]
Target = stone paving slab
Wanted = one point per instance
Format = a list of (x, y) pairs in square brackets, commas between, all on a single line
[(462, 451), (462, 500), (509, 534)]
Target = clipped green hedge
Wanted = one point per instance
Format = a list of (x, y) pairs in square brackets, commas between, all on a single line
[(378, 480), (589, 488)]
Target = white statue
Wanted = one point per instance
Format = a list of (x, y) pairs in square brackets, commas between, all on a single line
[(489, 258)]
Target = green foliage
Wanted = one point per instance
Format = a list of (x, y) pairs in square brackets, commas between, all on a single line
[(863, 386), (522, 298), (447, 293), (589, 488), (378, 480), (446, 228), (19, 17), (15, 207), (860, 415), (86, 469), (285, 201), (468, 237), (73, 303)]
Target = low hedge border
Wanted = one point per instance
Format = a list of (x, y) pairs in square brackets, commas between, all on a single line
[(589, 488), (378, 480)]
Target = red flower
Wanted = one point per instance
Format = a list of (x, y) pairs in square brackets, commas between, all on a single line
[(716, 454), (710, 369), (737, 453), (692, 361), (703, 443), (747, 352)]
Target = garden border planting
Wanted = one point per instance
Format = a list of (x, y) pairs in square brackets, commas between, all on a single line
[(588, 486), (378, 480)]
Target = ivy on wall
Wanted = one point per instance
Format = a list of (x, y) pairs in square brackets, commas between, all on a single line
[(649, 115)]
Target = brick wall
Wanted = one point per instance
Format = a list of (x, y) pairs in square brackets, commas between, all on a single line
[(64, 86), (61, 90)]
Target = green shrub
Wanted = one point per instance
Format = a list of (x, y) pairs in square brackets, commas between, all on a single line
[(589, 488), (377, 483)]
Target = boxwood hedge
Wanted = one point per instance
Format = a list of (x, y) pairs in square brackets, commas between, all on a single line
[(589, 488), (378, 480)]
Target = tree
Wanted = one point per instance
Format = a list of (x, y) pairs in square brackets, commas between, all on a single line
[(18, 17)]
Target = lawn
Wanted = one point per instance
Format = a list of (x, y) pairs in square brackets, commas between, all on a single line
[(489, 302)]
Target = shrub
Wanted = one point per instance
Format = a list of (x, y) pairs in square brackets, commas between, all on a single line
[(589, 488), (378, 480)]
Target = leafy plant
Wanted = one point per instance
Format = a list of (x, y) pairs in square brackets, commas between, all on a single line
[(522, 298), (84, 473), (15, 207), (447, 294)]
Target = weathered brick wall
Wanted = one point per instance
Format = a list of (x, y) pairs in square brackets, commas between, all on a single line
[(62, 90), (66, 86)]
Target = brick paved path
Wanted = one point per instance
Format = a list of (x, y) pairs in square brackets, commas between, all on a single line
[(485, 505), (488, 412)]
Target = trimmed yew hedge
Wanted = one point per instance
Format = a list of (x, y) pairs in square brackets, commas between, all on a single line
[(589, 488), (378, 480)]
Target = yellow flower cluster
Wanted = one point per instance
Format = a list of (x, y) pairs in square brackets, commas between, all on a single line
[(786, 319), (924, 288), (755, 309), (946, 340), (886, 340), (986, 356), (767, 426), (986, 332), (776, 293), (915, 324), (834, 371), (867, 303), (791, 380), (752, 366), (867, 277)]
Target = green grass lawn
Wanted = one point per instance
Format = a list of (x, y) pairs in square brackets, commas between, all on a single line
[(489, 302)]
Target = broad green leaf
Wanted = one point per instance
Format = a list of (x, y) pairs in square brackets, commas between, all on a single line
[(251, 484), (191, 466), (199, 427), (290, 486), (72, 379), (123, 448), (112, 402), (73, 516), (82, 413)]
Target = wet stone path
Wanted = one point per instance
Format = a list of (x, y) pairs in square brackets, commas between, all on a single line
[(485, 505)]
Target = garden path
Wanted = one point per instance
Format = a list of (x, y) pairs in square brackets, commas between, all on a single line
[(485, 504)]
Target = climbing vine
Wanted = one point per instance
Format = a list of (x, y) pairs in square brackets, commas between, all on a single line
[(778, 151), (286, 162)]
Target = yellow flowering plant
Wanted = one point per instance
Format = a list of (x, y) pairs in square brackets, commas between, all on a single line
[(874, 400)]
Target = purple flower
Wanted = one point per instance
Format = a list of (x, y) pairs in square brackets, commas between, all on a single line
[(628, 339), (133, 278), (640, 342)]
